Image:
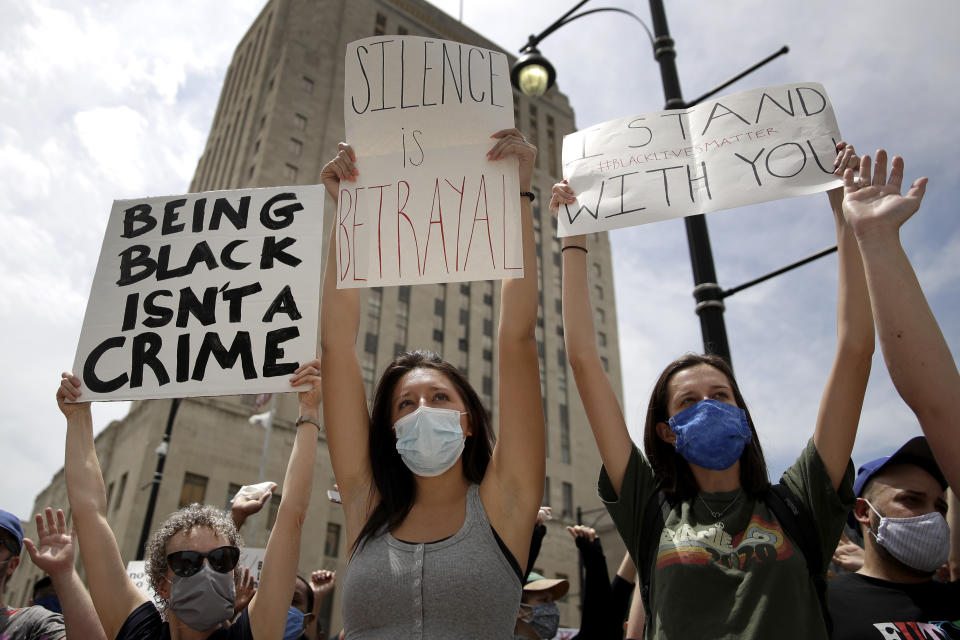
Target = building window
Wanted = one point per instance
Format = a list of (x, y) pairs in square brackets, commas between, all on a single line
[(597, 271), (605, 363), (402, 30), (194, 489), (368, 367), (560, 330), (272, 513), (256, 146), (601, 316), (300, 121), (567, 489), (546, 492), (534, 134), (598, 291), (438, 335), (263, 121), (487, 385), (109, 493), (464, 316), (289, 172), (552, 154), (252, 169), (558, 305), (398, 349), (564, 435), (488, 355), (602, 338), (465, 289), (380, 27), (232, 490), (370, 343), (438, 307), (487, 327), (296, 147), (403, 293), (120, 490), (331, 546), (462, 344), (306, 84), (488, 299)]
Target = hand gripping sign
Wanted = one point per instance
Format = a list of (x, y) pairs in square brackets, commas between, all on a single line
[(203, 294), (427, 206), (749, 147)]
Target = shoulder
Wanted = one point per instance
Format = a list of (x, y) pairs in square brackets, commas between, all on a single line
[(143, 623), (36, 617)]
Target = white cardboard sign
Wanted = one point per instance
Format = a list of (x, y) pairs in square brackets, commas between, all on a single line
[(203, 294), (749, 147), (427, 206)]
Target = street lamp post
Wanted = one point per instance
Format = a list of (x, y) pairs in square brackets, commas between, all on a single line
[(533, 74)]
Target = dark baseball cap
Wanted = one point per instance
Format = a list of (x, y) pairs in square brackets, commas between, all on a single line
[(916, 451), (11, 524)]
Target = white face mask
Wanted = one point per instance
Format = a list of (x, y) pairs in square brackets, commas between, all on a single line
[(429, 440), (920, 542)]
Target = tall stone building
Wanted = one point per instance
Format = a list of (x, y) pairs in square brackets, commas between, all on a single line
[(279, 119)]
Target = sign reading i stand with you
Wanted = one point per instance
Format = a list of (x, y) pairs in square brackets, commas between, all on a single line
[(427, 206), (203, 294), (749, 147)]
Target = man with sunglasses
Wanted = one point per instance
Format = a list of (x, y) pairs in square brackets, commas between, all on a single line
[(191, 557)]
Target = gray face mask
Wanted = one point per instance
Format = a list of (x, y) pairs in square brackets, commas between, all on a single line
[(203, 600), (544, 618)]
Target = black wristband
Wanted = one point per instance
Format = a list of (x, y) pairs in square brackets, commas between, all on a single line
[(529, 194), (574, 246)]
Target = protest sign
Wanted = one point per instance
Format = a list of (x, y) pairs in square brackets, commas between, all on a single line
[(203, 294), (138, 574), (252, 558), (427, 205), (749, 147)]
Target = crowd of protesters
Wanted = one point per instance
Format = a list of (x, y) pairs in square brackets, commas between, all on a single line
[(444, 521)]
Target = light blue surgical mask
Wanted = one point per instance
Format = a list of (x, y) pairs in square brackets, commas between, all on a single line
[(294, 628), (711, 434), (429, 440)]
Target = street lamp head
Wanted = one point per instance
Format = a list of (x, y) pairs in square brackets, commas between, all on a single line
[(532, 73)]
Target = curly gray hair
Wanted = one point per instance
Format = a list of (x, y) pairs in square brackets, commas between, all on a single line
[(186, 519)]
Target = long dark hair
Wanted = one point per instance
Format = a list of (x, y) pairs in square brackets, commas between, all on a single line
[(676, 478), (392, 480)]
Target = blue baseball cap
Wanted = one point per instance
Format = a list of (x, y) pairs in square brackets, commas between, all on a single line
[(916, 451), (11, 524)]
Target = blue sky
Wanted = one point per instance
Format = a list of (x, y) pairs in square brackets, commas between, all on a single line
[(114, 99)]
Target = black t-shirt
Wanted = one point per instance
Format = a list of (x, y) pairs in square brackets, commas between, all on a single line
[(869, 608), (144, 623)]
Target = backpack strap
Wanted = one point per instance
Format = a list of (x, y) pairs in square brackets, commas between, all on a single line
[(654, 520), (799, 525)]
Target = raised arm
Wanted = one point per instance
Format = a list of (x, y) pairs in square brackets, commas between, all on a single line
[(596, 392), (113, 592), (917, 356), (53, 553), (842, 399), (269, 606), (345, 414), (513, 484)]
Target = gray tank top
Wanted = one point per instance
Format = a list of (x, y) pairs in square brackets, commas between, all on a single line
[(459, 587)]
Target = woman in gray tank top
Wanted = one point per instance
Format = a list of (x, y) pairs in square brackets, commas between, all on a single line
[(438, 518)]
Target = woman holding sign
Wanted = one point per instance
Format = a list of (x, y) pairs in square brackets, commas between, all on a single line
[(192, 557), (438, 519), (698, 514)]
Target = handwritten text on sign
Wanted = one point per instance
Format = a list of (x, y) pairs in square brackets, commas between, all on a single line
[(745, 148), (203, 294), (427, 206)]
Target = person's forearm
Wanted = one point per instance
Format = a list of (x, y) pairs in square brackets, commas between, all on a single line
[(578, 331), (627, 570), (79, 616), (238, 518), (518, 301), (914, 349), (81, 468)]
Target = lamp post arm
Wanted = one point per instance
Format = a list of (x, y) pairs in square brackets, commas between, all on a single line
[(567, 19), (729, 82)]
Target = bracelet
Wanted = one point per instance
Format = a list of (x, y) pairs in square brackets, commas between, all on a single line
[(303, 419), (529, 194), (574, 246)]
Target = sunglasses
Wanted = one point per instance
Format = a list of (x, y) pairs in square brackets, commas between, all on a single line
[(187, 563)]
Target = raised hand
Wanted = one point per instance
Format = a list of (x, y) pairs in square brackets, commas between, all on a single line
[(583, 531), (342, 167), (544, 514), (245, 592), (511, 142), (848, 555), (322, 582), (562, 193), (68, 393), (847, 158), (308, 373), (247, 505), (53, 550), (874, 204)]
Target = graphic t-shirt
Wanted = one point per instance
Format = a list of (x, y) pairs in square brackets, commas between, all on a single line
[(31, 623), (874, 609), (741, 577)]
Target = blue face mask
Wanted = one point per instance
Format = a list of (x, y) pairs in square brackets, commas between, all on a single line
[(294, 628), (711, 434), (429, 440)]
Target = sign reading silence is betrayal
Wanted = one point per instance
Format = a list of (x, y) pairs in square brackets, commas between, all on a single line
[(427, 206), (203, 294), (749, 147)]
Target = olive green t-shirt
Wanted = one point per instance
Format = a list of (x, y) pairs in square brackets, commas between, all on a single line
[(744, 579)]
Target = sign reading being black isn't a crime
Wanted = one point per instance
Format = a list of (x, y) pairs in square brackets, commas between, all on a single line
[(203, 294)]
